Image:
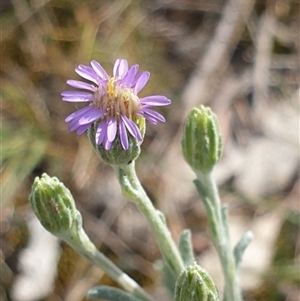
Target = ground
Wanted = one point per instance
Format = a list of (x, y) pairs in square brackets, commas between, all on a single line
[(241, 58)]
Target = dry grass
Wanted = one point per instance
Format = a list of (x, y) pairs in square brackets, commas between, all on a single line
[(239, 57)]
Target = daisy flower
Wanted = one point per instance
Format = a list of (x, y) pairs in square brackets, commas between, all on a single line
[(113, 102)]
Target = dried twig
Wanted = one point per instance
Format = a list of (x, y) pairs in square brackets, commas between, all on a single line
[(210, 68), (262, 62)]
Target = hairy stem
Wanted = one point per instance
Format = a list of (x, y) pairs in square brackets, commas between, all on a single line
[(79, 240), (217, 217), (133, 190)]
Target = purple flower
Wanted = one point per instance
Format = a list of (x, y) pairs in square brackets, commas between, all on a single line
[(113, 102)]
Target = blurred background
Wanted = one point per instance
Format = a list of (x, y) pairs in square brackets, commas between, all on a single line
[(240, 57)]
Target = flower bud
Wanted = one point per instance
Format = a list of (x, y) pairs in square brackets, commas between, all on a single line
[(201, 143), (117, 155), (194, 284), (53, 204)]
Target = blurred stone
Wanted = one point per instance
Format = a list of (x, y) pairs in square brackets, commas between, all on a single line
[(257, 257), (267, 168), (269, 162), (38, 264), (259, 254)]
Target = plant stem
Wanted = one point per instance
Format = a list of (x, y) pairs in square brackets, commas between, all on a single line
[(79, 240), (217, 217), (133, 190)]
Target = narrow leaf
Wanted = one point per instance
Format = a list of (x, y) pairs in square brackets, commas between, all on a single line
[(186, 247), (110, 294), (241, 246)]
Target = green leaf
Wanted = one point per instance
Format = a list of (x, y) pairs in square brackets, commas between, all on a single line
[(186, 247), (110, 294), (241, 246)]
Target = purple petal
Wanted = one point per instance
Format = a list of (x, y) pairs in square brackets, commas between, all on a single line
[(99, 70), (101, 132), (128, 80), (155, 100), (91, 116), (123, 68), (82, 129), (73, 125), (87, 73), (132, 127), (107, 144), (118, 82), (76, 96), (81, 85), (120, 68), (123, 135), (77, 114), (116, 67), (88, 69), (73, 99), (141, 81), (111, 129), (154, 114), (150, 119)]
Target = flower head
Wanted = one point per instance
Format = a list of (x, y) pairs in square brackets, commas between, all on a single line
[(53, 204), (202, 142), (113, 102), (194, 284)]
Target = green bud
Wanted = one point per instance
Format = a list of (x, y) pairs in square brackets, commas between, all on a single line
[(117, 155), (194, 284), (202, 143), (53, 204)]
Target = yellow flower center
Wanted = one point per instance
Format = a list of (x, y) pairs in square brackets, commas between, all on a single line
[(117, 100)]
